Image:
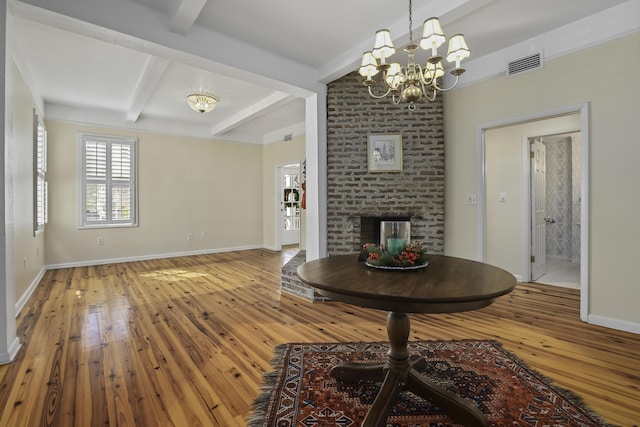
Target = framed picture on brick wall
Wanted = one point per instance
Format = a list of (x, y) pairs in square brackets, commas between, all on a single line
[(384, 152)]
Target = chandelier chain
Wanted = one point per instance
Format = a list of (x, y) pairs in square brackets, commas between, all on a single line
[(410, 22)]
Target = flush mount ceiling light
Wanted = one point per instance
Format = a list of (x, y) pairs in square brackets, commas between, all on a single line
[(202, 102), (412, 82)]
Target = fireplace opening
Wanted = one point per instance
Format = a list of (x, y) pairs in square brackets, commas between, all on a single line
[(370, 227)]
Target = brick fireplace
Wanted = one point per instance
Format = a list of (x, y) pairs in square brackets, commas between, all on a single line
[(354, 193), (357, 197)]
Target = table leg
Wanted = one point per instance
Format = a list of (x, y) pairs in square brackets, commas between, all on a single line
[(399, 373), (352, 371), (396, 370), (458, 409), (393, 374)]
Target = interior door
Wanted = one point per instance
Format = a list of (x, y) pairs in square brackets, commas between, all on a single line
[(289, 195), (538, 210)]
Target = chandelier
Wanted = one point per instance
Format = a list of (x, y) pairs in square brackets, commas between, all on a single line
[(412, 82), (202, 102)]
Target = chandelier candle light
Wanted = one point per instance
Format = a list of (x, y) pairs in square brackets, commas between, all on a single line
[(412, 82), (202, 102)]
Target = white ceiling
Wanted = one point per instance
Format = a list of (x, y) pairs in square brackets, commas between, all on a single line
[(131, 63)]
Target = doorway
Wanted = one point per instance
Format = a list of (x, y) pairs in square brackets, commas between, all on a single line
[(505, 208), (288, 194), (555, 209)]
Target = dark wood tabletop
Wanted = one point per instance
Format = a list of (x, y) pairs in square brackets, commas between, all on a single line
[(446, 285)]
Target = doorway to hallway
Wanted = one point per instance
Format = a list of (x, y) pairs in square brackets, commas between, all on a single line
[(288, 193), (506, 210)]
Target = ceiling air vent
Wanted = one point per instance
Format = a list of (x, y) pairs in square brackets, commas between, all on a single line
[(528, 63)]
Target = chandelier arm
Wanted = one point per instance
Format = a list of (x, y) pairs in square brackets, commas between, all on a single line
[(421, 78), (441, 89), (378, 96), (434, 93), (424, 86)]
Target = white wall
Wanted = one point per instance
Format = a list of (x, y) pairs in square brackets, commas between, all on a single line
[(614, 231), (186, 185)]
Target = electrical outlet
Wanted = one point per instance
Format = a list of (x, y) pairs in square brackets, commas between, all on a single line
[(471, 199), (101, 240), (189, 236), (203, 234)]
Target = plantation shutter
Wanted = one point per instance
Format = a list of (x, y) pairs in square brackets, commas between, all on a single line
[(108, 180), (121, 182), (40, 169), (95, 191)]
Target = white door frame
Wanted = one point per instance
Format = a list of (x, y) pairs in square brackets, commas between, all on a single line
[(583, 111)]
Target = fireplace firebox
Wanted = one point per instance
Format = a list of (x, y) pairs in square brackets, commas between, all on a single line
[(371, 230)]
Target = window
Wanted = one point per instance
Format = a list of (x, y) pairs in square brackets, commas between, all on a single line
[(39, 172), (108, 181)]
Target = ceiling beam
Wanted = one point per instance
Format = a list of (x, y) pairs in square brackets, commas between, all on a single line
[(256, 110), (145, 87), (185, 14)]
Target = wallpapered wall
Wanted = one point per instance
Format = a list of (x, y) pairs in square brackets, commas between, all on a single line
[(563, 197)]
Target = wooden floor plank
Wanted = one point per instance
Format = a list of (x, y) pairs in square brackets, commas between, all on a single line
[(186, 341)]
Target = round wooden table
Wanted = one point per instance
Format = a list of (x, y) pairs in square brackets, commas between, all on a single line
[(446, 285)]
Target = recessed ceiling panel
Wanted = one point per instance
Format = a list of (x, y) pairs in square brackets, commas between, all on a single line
[(71, 69)]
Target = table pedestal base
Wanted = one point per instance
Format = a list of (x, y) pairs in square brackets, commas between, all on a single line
[(400, 372)]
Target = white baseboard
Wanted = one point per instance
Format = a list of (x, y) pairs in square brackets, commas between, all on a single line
[(149, 257), (519, 278), (621, 325), (32, 287), (10, 354)]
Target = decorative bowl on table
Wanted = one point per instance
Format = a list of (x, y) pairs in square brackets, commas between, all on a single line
[(411, 257)]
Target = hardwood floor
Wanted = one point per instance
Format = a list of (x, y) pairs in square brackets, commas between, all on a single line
[(185, 342)]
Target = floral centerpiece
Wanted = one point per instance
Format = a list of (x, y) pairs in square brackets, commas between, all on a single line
[(412, 256)]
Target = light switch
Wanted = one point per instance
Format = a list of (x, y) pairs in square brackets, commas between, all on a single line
[(503, 197)]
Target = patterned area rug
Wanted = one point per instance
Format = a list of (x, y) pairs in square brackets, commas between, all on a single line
[(300, 393)]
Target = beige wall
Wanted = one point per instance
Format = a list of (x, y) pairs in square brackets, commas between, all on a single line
[(614, 208), (278, 154), (507, 222), (28, 250), (186, 185)]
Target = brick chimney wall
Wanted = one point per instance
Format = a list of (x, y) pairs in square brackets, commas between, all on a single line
[(353, 192)]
